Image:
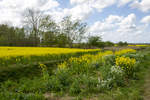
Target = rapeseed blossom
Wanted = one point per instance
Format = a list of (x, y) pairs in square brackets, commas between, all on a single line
[(127, 64), (85, 60)]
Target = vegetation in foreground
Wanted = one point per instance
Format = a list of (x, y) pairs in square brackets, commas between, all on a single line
[(107, 75)]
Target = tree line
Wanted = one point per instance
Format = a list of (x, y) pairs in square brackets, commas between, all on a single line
[(41, 30)]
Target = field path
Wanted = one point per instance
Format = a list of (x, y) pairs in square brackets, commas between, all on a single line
[(147, 87)]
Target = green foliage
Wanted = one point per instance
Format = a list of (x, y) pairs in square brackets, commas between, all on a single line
[(109, 44), (94, 41), (122, 43), (62, 40), (75, 88), (11, 36), (44, 72)]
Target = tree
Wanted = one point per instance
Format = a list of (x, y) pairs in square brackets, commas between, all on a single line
[(108, 44), (32, 20), (7, 35), (74, 30), (11, 36), (62, 40), (49, 31), (122, 43), (94, 41)]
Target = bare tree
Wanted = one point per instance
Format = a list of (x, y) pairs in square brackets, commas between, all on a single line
[(32, 19)]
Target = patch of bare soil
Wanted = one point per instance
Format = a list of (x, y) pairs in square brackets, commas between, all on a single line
[(52, 96)]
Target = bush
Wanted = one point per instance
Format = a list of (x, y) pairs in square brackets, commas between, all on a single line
[(60, 81)]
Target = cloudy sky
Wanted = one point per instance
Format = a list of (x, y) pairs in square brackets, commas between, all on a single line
[(114, 20)]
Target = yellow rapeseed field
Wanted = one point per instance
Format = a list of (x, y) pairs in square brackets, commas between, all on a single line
[(37, 51)]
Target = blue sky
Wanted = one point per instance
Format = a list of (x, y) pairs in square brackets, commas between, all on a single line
[(113, 20)]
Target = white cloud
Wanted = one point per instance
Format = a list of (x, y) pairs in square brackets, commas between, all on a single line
[(81, 11), (95, 4), (10, 10), (99, 27), (113, 19), (101, 4), (77, 1), (109, 24), (119, 28), (128, 24), (143, 5), (123, 2), (146, 20)]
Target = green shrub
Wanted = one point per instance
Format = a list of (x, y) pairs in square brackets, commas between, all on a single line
[(60, 81)]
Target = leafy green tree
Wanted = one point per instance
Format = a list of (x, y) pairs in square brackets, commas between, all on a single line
[(94, 41), (108, 44), (122, 43), (7, 34), (62, 40), (49, 31)]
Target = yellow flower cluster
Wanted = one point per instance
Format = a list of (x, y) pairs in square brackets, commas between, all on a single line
[(85, 60), (124, 51), (73, 60), (126, 63), (62, 65), (42, 66)]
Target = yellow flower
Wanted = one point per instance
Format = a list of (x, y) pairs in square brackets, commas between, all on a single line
[(85, 60), (62, 65), (126, 63)]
